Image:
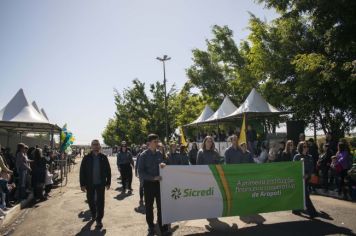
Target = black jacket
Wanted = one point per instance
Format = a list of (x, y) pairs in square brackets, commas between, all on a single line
[(86, 170)]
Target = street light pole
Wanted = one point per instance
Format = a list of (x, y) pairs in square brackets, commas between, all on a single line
[(163, 60)]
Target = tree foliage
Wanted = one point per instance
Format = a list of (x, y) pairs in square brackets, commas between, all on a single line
[(140, 112), (303, 61)]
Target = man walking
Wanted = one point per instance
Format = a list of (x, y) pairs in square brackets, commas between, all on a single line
[(95, 175), (125, 164), (150, 162)]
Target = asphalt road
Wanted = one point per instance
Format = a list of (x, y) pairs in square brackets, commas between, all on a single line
[(66, 213)]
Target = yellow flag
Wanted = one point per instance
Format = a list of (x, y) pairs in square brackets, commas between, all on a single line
[(242, 138), (182, 138)]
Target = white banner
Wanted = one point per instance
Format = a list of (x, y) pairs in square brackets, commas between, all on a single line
[(187, 193)]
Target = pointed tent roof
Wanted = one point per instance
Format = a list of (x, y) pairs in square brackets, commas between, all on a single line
[(20, 115), (34, 104), (225, 109), (44, 113), (255, 104), (206, 113), (20, 110)]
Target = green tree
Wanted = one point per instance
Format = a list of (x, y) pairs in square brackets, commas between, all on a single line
[(303, 61), (109, 134)]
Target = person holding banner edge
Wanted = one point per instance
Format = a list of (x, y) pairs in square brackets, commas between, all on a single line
[(150, 162), (303, 155)]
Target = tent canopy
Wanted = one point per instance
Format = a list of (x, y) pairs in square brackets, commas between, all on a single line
[(34, 104), (255, 105), (20, 115), (206, 113), (225, 109)]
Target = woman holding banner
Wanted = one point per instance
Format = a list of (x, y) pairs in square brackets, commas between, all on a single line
[(302, 155), (207, 154)]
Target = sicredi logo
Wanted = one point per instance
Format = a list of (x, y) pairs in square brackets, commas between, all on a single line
[(176, 193)]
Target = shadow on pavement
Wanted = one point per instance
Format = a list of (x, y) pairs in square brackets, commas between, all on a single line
[(85, 215), (217, 227), (253, 219), (310, 227), (86, 230)]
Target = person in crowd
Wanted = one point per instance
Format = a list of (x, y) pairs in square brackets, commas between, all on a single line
[(183, 155), (233, 154), (9, 159), (23, 168), (126, 164), (150, 162), (341, 163), (263, 156), (324, 163), (174, 157), (279, 155), (138, 158), (313, 151), (251, 137), (289, 152), (222, 136), (161, 148), (5, 174), (38, 174), (207, 154), (95, 175), (214, 136), (303, 155), (272, 153), (192, 154), (301, 137), (247, 156), (48, 182), (332, 144)]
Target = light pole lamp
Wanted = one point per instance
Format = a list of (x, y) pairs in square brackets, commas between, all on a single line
[(163, 60)]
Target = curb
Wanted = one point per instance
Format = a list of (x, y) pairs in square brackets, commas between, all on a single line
[(15, 211)]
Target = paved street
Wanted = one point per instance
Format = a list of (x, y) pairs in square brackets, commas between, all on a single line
[(66, 213)]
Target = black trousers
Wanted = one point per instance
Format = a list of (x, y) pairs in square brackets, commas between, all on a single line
[(96, 200), (152, 192), (126, 175), (308, 203)]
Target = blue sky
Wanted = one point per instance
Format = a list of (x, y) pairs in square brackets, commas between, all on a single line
[(69, 55)]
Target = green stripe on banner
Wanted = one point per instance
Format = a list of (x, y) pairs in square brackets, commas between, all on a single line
[(240, 190), (221, 187)]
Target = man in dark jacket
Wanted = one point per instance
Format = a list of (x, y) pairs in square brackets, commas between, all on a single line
[(95, 175)]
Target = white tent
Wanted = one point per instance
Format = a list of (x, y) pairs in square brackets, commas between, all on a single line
[(225, 109), (207, 112), (20, 115), (44, 113), (255, 105), (34, 104), (20, 110)]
